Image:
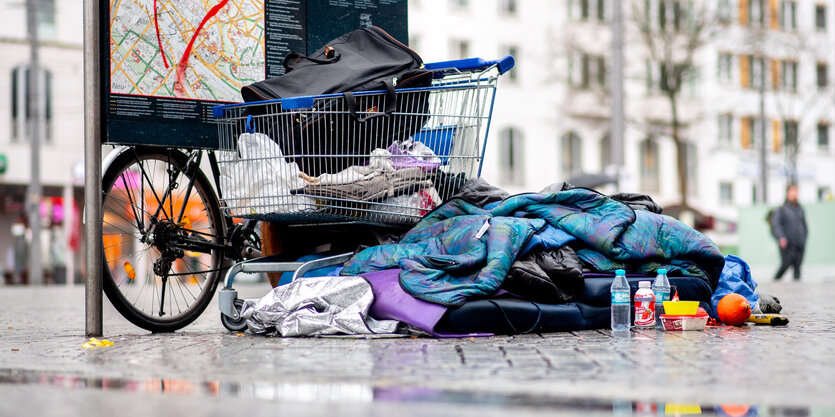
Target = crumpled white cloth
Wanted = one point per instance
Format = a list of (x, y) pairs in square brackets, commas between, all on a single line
[(316, 306), (259, 180), (378, 163)]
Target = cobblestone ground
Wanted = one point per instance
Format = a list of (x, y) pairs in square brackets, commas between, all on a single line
[(205, 370)]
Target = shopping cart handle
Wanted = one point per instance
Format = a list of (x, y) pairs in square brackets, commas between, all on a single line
[(471, 65)]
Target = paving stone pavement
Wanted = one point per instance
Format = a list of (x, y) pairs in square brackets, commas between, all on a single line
[(208, 371)]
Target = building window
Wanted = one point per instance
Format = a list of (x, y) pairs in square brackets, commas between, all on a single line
[(789, 75), (724, 11), (750, 132), (790, 134), (601, 10), (587, 70), (824, 193), (507, 7), (460, 49), (820, 17), (513, 74), (788, 15), (649, 165), (677, 15), (605, 151), (571, 154), (752, 71), (21, 115), (659, 81), (650, 77), (588, 10), (821, 72), (691, 79), (459, 4), (724, 66), (512, 156), (725, 126), (726, 192), (600, 71), (46, 19), (662, 14), (823, 135), (756, 12), (757, 66)]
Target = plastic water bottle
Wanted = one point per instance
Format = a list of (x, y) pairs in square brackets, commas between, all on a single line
[(661, 288), (644, 306), (620, 302)]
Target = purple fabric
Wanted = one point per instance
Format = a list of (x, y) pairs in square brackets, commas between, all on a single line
[(404, 159), (392, 303)]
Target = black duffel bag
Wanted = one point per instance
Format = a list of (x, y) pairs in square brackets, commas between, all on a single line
[(347, 127)]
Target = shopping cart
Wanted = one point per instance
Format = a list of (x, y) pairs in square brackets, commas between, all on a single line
[(315, 160), (171, 228)]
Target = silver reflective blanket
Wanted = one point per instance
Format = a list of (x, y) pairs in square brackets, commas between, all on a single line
[(316, 306)]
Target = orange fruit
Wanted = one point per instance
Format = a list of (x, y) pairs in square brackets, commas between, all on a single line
[(733, 309), (735, 410)]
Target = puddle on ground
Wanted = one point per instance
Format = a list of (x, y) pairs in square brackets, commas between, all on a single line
[(347, 392)]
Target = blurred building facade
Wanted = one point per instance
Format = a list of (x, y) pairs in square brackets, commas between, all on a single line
[(551, 120), (62, 137), (551, 115)]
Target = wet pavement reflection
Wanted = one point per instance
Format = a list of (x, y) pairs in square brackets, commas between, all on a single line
[(360, 393)]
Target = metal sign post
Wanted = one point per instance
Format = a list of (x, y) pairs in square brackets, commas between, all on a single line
[(617, 125), (92, 168), (34, 192)]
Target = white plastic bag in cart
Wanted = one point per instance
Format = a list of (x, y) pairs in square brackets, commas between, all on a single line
[(258, 180)]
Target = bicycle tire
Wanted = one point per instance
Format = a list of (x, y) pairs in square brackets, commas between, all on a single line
[(135, 182)]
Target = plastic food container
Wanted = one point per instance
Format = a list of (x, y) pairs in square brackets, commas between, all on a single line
[(681, 308), (678, 323)]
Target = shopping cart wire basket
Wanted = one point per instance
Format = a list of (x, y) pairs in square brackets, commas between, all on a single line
[(317, 159)]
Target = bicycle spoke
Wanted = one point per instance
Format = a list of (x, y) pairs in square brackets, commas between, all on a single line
[(156, 196), (136, 216), (123, 201), (123, 231), (133, 255)]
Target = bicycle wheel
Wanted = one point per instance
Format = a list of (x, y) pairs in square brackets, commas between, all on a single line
[(162, 237)]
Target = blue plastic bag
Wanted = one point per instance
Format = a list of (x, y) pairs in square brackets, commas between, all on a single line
[(736, 278)]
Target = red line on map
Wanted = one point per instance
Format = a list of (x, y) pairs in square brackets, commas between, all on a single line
[(159, 40), (181, 67)]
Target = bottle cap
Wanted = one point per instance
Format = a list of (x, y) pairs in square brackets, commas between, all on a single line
[(662, 271), (620, 272), (644, 284)]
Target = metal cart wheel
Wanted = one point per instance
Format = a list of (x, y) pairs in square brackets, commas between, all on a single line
[(162, 237), (235, 325)]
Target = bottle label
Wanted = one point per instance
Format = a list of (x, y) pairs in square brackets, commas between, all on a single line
[(644, 310), (620, 297), (661, 296)]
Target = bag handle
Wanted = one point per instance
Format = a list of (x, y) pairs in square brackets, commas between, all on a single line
[(293, 58), (391, 103), (507, 319)]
